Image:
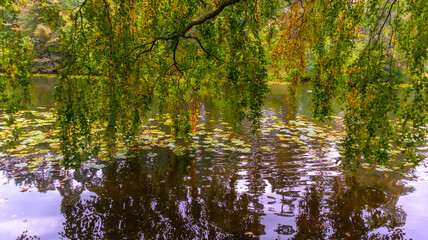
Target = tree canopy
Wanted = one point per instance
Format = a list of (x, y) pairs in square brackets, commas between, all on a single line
[(120, 57)]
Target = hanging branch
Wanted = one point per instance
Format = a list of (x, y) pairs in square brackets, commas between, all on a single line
[(187, 28), (201, 46)]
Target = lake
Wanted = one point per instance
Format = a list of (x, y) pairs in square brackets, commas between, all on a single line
[(279, 182)]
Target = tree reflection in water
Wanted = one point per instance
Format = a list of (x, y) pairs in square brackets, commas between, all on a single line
[(173, 197), (356, 209), (136, 200)]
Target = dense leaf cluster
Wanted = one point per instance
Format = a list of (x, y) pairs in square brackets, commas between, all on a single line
[(16, 56)]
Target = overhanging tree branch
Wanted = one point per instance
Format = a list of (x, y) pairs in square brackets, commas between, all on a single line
[(201, 46), (187, 28), (206, 17)]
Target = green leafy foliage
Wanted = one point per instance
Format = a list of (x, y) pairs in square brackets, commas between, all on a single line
[(135, 53), (16, 56), (124, 58), (360, 50)]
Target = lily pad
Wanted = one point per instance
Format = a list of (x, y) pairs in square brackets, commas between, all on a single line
[(21, 165)]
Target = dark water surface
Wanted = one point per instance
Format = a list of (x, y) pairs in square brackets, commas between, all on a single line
[(280, 183)]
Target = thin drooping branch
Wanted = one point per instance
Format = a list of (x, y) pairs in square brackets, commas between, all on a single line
[(187, 28), (79, 12), (201, 46), (174, 57), (379, 33), (377, 36), (151, 44)]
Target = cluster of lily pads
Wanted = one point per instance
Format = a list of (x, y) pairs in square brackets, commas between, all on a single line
[(38, 140), (31, 134)]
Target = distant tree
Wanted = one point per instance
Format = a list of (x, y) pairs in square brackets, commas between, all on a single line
[(44, 21)]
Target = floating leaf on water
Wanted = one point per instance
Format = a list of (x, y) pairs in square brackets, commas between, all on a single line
[(152, 154), (238, 142), (301, 129), (312, 134), (266, 149), (380, 169), (170, 145), (409, 164), (244, 150), (33, 165), (121, 155), (99, 166), (221, 145), (94, 165), (19, 165), (178, 152), (286, 131)]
